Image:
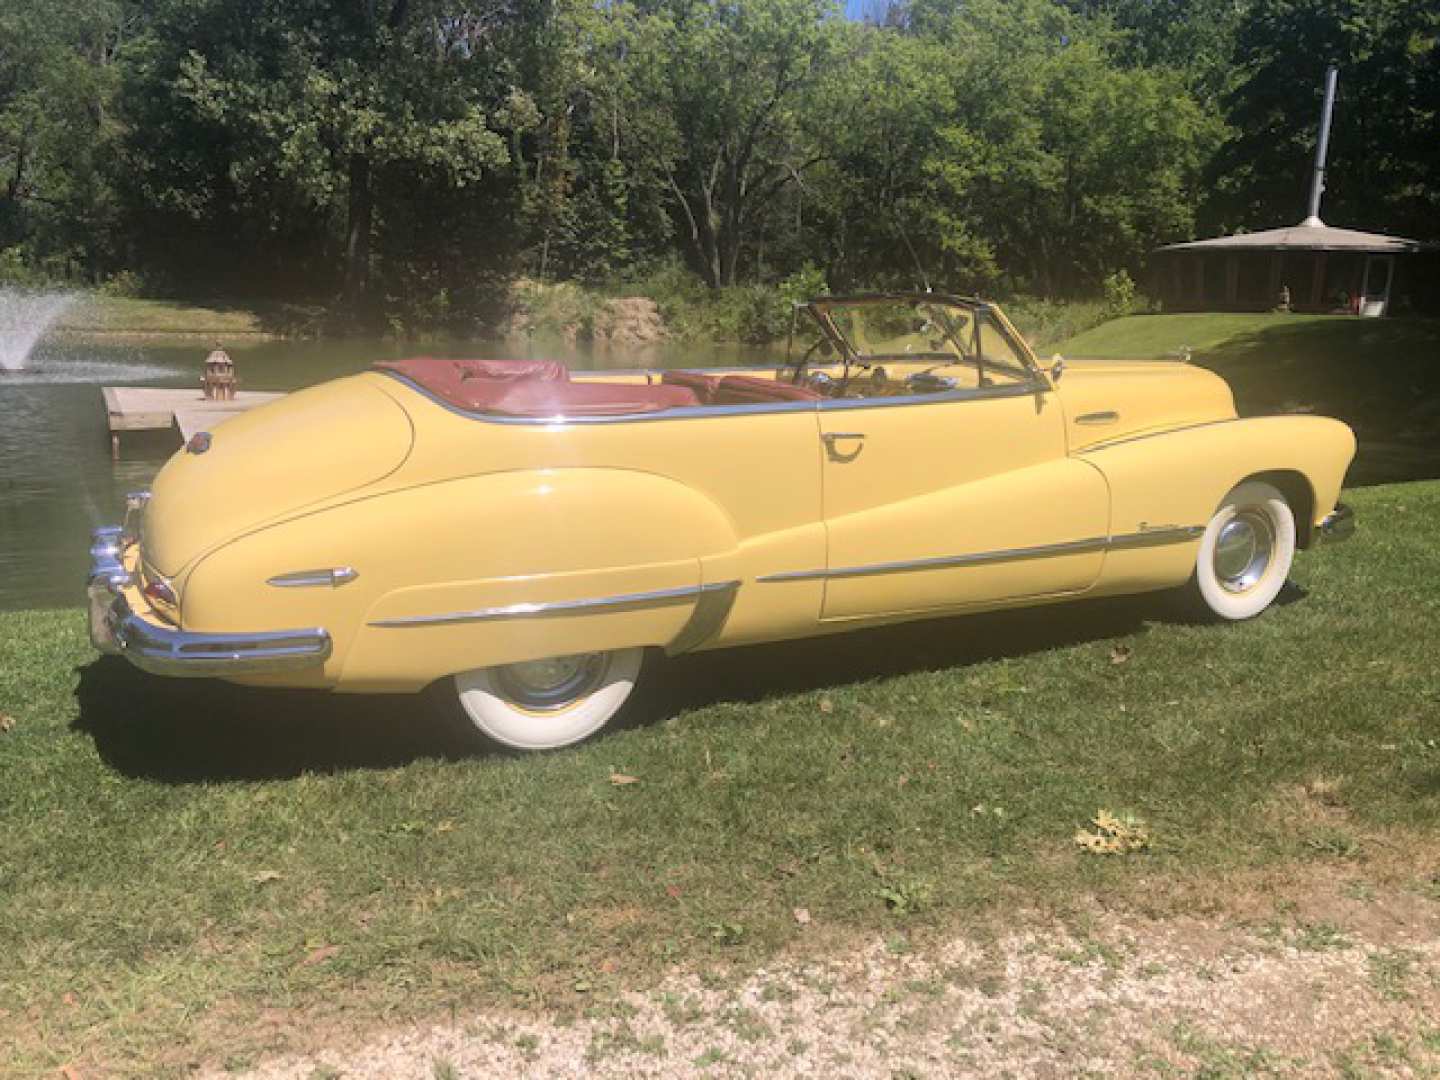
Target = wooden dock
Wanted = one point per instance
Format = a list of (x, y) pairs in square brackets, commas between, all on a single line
[(148, 408)]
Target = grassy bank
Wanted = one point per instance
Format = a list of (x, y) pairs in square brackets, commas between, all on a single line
[(1381, 376), (197, 872), (101, 319)]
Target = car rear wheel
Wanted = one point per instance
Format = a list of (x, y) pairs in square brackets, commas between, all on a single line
[(1245, 553), (545, 704)]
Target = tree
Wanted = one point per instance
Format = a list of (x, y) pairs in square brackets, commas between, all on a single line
[(717, 108), (58, 81), (1384, 164), (285, 107)]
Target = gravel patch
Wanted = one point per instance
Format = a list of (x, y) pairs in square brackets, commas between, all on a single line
[(1141, 999)]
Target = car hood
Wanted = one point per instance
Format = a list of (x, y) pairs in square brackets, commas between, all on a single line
[(271, 463), (1106, 400)]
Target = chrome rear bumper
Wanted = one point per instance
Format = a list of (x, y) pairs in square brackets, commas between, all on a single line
[(1339, 524), (117, 630)]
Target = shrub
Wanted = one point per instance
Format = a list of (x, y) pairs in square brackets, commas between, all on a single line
[(1120, 294)]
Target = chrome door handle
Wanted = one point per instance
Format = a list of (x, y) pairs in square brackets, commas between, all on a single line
[(830, 438)]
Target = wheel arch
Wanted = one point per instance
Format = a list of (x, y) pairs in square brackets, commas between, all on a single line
[(1299, 494)]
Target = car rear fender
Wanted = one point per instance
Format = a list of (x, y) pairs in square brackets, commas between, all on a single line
[(445, 574)]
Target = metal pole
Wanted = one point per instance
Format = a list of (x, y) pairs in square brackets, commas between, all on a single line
[(1322, 147)]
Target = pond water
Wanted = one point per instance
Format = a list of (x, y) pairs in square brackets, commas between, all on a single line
[(57, 481)]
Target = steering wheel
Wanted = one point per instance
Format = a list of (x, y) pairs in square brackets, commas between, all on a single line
[(804, 360)]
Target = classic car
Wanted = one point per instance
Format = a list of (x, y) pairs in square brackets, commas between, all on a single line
[(523, 540)]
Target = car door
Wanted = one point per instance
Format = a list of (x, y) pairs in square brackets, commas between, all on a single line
[(953, 499)]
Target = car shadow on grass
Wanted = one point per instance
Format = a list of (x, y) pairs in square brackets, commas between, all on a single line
[(205, 731), (755, 673)]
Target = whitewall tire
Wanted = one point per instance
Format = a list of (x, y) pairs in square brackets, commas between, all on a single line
[(1245, 553), (546, 704)]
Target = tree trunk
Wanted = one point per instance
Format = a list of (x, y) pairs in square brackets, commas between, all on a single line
[(360, 216)]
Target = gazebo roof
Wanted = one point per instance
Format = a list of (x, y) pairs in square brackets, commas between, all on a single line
[(1312, 234)]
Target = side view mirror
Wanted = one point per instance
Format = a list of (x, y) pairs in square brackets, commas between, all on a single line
[(1057, 367)]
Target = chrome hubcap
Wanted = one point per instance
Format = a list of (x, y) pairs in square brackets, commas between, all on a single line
[(552, 683), (1243, 550)]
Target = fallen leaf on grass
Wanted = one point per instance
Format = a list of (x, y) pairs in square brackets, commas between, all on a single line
[(7, 723), (673, 891), (620, 779), (265, 877), (1114, 834), (802, 916), (69, 1072), (320, 955), (1120, 654)]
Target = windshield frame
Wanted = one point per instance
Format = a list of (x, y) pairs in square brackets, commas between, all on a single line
[(983, 315)]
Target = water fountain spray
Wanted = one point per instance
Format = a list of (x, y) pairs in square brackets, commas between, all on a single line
[(24, 318)]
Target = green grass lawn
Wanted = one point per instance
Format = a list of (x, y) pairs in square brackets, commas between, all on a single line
[(1381, 376), (1168, 335), (96, 316), (181, 858)]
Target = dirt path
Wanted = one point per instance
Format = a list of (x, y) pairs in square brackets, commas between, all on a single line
[(1179, 997)]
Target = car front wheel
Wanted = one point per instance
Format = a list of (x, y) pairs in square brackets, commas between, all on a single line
[(1245, 553), (544, 704)]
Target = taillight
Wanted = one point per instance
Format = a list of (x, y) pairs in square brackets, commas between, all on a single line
[(160, 592)]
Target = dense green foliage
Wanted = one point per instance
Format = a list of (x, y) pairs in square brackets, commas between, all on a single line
[(403, 160)]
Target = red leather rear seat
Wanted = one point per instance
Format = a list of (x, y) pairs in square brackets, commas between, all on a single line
[(704, 385), (533, 388), (532, 397), (749, 389), (737, 389)]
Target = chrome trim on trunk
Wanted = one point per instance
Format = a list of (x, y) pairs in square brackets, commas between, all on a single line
[(600, 604)]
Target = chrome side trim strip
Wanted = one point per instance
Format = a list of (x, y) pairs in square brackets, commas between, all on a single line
[(303, 579), (1107, 416), (1121, 440), (711, 611), (601, 604), (1146, 538), (1154, 537)]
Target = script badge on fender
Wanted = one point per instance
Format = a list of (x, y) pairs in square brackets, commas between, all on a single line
[(199, 442)]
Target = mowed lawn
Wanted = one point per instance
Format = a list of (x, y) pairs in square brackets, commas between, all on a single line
[(180, 860), (95, 315), (1381, 376)]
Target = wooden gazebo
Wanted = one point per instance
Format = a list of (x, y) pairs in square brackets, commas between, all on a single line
[(1307, 267)]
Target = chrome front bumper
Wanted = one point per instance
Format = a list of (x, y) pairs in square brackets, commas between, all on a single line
[(116, 629), (1339, 524)]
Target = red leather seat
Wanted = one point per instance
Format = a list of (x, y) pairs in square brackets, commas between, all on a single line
[(535, 398), (533, 388), (751, 389), (737, 389), (434, 372), (704, 385)]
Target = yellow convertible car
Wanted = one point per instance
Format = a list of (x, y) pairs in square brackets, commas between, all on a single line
[(526, 538)]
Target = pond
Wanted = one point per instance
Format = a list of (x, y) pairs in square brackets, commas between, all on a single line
[(57, 480)]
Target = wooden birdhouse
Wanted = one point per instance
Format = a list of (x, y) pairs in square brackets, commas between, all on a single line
[(219, 378)]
